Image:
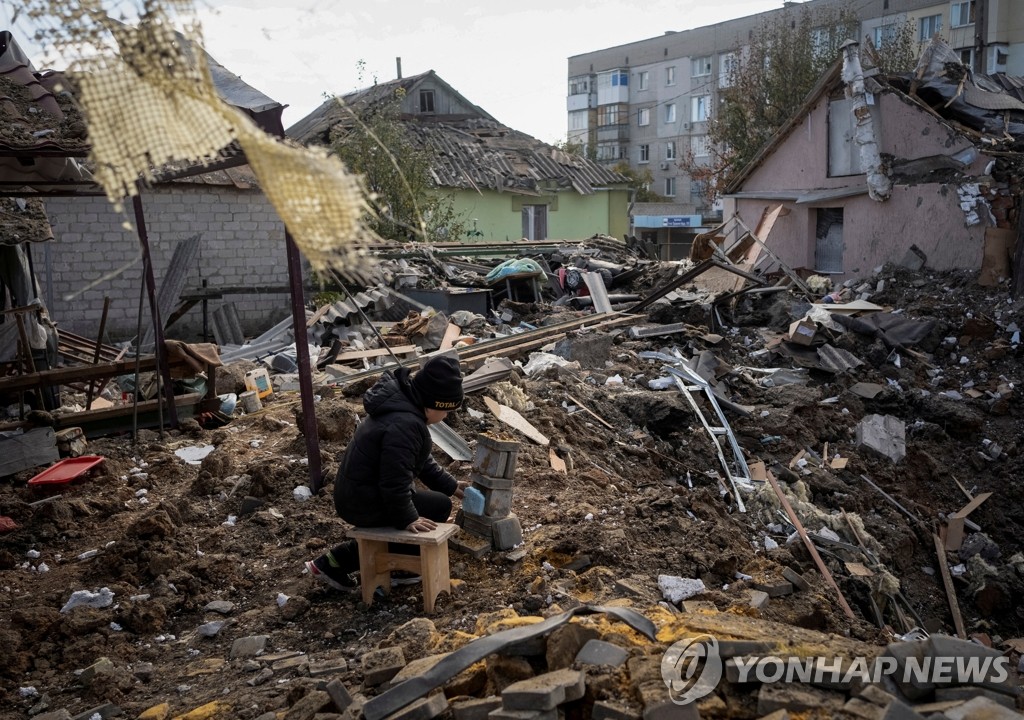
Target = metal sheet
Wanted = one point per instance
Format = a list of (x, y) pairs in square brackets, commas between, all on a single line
[(451, 442)]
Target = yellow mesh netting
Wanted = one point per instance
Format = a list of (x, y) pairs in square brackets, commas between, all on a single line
[(153, 102)]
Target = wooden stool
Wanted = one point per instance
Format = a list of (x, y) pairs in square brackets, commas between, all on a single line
[(376, 563)]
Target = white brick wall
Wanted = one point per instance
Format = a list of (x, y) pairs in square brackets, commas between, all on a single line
[(242, 244)]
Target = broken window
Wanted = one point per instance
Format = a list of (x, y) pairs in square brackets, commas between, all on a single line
[(535, 222), (966, 56), (828, 245), (426, 101)]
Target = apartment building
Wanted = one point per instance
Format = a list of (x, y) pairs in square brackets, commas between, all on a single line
[(647, 102)]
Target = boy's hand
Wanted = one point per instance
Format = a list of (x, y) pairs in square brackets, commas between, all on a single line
[(460, 491), (421, 525)]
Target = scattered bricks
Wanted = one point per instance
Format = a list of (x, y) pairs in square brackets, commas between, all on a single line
[(248, 646), (503, 671), (796, 579), (260, 678), (668, 710), (328, 666), (774, 587), (969, 691), (490, 483), (498, 444), (340, 695), (565, 644), (606, 710), (908, 683), (824, 675), (757, 599), (379, 666), (299, 663), (475, 709), (488, 461), (416, 667), (599, 652), (308, 706), (896, 710), (963, 652), (981, 707), (734, 648), (544, 692), (876, 695), (798, 698), (472, 545), (480, 525), (507, 533), (863, 709), (423, 709)]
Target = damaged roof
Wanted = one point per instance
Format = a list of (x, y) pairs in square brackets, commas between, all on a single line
[(987, 109), (473, 151)]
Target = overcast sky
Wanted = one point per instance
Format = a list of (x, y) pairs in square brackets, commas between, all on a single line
[(511, 58)]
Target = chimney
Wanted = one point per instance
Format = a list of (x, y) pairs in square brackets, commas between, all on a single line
[(398, 67)]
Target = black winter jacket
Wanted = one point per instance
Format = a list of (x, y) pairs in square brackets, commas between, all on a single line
[(390, 449)]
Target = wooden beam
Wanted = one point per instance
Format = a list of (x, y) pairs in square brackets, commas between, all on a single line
[(822, 568), (947, 581), (63, 376)]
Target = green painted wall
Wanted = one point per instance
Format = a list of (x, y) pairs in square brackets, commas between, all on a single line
[(571, 216)]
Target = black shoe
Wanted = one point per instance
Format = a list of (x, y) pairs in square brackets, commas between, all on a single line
[(320, 569)]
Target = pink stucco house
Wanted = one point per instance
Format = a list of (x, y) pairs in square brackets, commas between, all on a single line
[(872, 164)]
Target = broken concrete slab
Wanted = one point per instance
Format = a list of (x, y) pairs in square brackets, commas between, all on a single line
[(340, 695), (796, 579), (609, 710), (883, 434), (248, 646), (599, 652), (476, 708), (308, 706), (774, 587), (981, 707), (757, 599), (379, 666), (423, 709), (590, 351), (676, 589), (779, 696), (544, 692)]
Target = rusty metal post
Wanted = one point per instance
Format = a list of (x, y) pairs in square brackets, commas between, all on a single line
[(309, 426), (163, 368)]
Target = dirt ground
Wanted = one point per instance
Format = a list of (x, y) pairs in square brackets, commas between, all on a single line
[(638, 501)]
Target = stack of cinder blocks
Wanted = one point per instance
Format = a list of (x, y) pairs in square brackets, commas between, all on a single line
[(493, 469)]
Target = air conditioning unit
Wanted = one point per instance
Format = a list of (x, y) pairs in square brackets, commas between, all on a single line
[(664, 166)]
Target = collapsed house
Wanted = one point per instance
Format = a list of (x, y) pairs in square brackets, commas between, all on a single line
[(873, 167)]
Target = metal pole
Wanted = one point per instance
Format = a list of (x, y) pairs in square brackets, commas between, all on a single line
[(309, 426), (160, 351)]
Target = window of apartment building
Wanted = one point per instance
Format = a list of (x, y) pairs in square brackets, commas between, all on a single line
[(885, 34), (728, 64), (670, 113), (700, 108), (670, 150), (643, 80), (645, 153), (643, 117), (620, 79), (426, 101), (699, 146), (578, 120), (821, 39), (962, 14), (929, 26), (614, 114), (699, 67), (670, 187), (966, 56), (997, 57), (670, 75), (579, 85)]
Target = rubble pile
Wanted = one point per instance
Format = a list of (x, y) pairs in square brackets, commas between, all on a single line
[(789, 477)]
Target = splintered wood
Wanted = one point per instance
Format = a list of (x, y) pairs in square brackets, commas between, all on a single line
[(514, 420)]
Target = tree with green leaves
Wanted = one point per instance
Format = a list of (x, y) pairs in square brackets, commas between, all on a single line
[(772, 77), (395, 166)]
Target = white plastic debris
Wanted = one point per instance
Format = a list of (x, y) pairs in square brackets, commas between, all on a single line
[(661, 383), (282, 599), (115, 627), (210, 629), (588, 517), (541, 361), (302, 493), (769, 544), (87, 598), (614, 380), (194, 454), (230, 522), (42, 567), (33, 554), (28, 692), (958, 570), (141, 492), (88, 554), (743, 576), (828, 534)]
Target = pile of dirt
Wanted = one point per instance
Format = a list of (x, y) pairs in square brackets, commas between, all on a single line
[(195, 558)]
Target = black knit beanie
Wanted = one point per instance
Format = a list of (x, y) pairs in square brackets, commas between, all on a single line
[(439, 383)]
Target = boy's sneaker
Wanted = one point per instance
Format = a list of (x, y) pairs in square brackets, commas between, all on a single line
[(404, 577), (321, 570)]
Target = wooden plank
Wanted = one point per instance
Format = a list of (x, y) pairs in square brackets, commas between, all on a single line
[(557, 463), (962, 488), (374, 352), (28, 450), (451, 334), (972, 505), (62, 376), (822, 568), (954, 533), (590, 412), (947, 581), (513, 419), (388, 534)]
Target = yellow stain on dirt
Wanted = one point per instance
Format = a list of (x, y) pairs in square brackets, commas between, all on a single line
[(207, 711), (157, 712), (509, 623)]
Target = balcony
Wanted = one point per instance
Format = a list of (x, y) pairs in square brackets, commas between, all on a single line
[(612, 133), (580, 101)]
